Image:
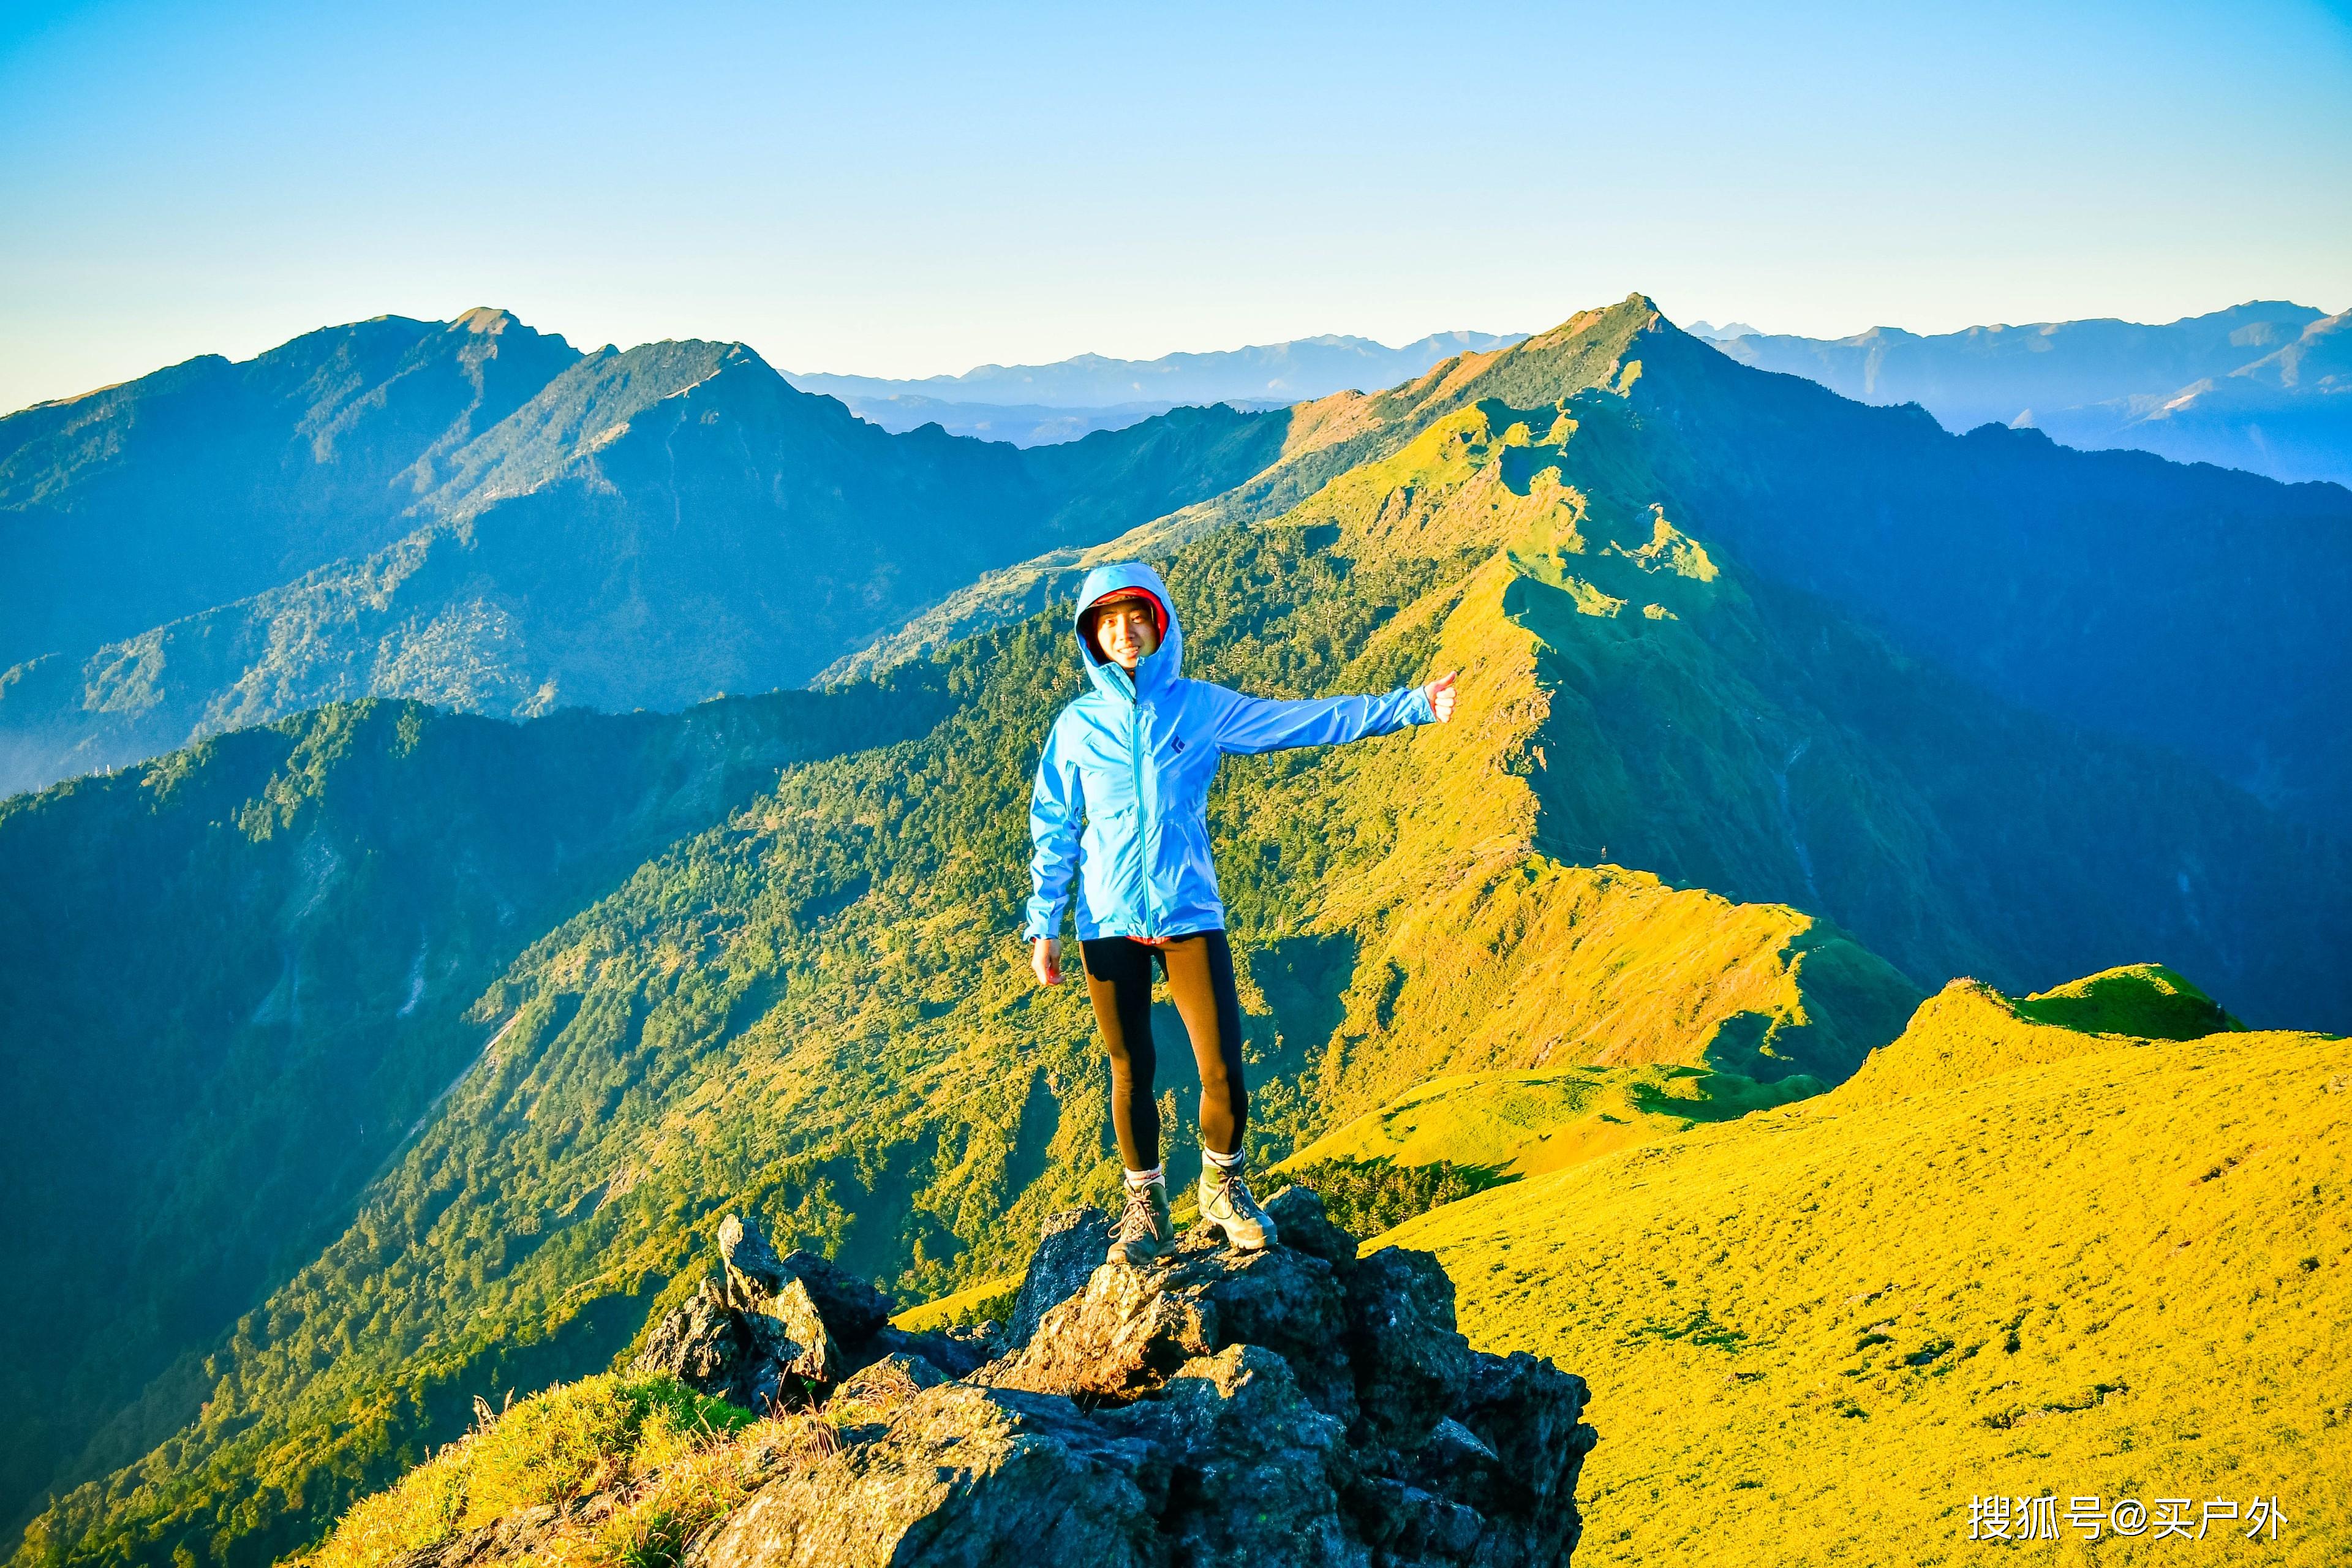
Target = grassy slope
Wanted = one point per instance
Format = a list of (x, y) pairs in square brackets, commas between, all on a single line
[(1813, 1334), (1528, 1124)]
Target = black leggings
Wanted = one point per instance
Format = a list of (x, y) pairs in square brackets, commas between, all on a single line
[(1199, 971)]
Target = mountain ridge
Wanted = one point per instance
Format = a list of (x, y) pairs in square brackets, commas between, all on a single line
[(341, 429), (2197, 654), (648, 527)]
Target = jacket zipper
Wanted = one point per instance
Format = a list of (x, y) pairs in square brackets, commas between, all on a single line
[(1135, 767)]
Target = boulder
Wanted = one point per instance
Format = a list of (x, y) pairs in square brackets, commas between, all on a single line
[(956, 1351), (1129, 1330), (853, 1310), (769, 1333), (875, 1391), (1260, 1473), (1298, 1214), (1070, 1250), (1412, 1367), (1528, 1412), (1296, 1406), (780, 1355)]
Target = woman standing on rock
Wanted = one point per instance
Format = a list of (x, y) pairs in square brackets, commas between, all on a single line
[(1134, 757)]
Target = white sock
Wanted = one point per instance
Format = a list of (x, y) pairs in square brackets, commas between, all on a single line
[(1232, 1161), (1158, 1173)]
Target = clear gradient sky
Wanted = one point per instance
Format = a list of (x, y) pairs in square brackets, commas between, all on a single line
[(905, 189)]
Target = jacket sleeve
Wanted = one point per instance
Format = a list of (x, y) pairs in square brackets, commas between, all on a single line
[(1057, 801), (1247, 724)]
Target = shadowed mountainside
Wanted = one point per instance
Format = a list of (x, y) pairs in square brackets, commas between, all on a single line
[(640, 529)]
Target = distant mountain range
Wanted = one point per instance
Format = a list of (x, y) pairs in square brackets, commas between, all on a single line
[(1021, 424), (2264, 386), (1030, 405)]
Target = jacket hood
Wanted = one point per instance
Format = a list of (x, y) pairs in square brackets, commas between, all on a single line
[(1155, 670)]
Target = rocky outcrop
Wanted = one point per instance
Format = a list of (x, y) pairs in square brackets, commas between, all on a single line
[(775, 1333), (1292, 1406), (1069, 1249)]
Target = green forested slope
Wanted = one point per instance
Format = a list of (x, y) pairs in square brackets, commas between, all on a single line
[(234, 982), (817, 1010)]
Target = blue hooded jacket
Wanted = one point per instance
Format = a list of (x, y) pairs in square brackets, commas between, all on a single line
[(1133, 757)]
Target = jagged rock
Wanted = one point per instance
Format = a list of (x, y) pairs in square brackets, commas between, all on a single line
[(1131, 1329), (702, 1344), (1298, 1215), (1528, 1412), (1284, 1408), (1068, 1252), (1412, 1367), (764, 1338), (1260, 1470), (778, 1355), (957, 1352), (853, 1310), (875, 1391), (754, 1269)]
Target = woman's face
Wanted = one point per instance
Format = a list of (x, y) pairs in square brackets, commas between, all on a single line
[(1125, 632)]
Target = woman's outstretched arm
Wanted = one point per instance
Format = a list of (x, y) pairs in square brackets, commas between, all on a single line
[(1247, 724)]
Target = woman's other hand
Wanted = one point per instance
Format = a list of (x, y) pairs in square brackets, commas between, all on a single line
[(1440, 696), (1046, 958)]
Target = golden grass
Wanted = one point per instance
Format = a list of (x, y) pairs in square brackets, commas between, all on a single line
[(1812, 1335), (1528, 1124), (612, 1471), (988, 1299)]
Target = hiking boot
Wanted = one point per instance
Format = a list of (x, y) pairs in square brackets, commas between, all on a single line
[(1144, 1231), (1226, 1205)]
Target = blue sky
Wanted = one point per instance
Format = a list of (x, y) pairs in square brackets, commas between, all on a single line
[(908, 189)]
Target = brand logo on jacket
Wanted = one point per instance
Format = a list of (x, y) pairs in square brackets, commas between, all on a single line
[(1175, 742)]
